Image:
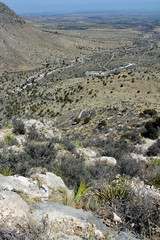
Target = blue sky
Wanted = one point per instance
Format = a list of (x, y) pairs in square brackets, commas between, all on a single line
[(40, 6)]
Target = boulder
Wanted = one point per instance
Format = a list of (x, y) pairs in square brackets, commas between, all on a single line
[(49, 179), (110, 161), (23, 185), (57, 190), (13, 209), (87, 152), (44, 129), (138, 158), (143, 148)]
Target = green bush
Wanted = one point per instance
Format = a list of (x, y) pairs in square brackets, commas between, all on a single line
[(101, 124), (77, 120), (151, 130), (154, 150), (87, 120), (150, 112), (67, 144), (10, 140)]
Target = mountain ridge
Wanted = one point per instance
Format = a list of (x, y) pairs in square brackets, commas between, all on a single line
[(8, 16)]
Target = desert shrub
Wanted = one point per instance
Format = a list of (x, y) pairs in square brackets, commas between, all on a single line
[(82, 192), (114, 189), (34, 155), (133, 137), (152, 172), (18, 126), (150, 112), (10, 140), (67, 144), (74, 171), (157, 122), (152, 129), (42, 154), (129, 166), (101, 171), (138, 212), (19, 163), (157, 179), (116, 148), (33, 134), (6, 172)]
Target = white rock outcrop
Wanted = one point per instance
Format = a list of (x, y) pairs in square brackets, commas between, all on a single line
[(110, 161), (44, 128), (87, 152)]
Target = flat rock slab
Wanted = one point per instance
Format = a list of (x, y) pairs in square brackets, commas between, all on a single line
[(68, 218)]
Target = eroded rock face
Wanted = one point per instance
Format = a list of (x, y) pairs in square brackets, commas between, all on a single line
[(7, 16)]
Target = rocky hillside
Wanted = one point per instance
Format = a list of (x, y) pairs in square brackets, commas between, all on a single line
[(23, 46), (115, 183), (8, 16)]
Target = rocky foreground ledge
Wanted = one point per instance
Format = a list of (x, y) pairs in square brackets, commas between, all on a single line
[(31, 205)]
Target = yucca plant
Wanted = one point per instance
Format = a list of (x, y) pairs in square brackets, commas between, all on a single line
[(83, 190), (6, 172), (117, 189)]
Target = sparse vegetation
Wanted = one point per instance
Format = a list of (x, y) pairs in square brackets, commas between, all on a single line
[(117, 106)]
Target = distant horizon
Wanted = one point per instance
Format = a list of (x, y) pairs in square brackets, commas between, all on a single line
[(89, 12), (38, 7)]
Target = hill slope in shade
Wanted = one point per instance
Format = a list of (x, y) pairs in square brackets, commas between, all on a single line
[(22, 46)]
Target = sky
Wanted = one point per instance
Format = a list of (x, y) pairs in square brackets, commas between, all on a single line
[(44, 6)]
